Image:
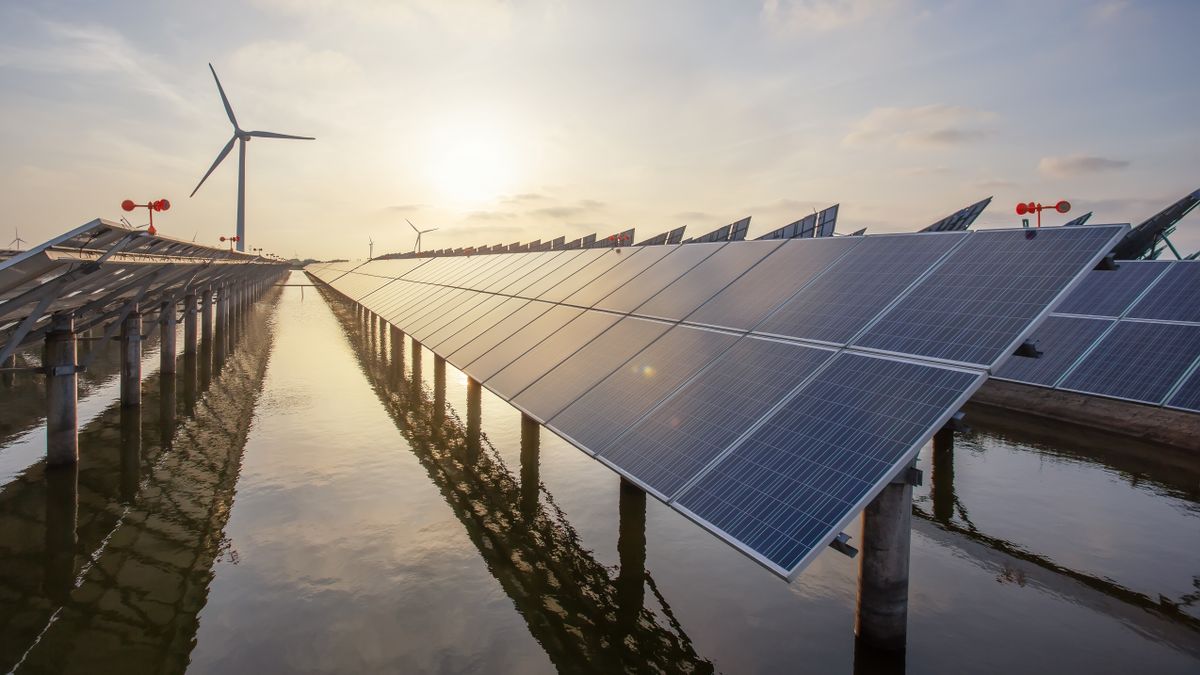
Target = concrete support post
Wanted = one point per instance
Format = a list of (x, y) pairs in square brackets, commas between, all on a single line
[(531, 447), (882, 619), (131, 359), (62, 393), (166, 338), (221, 331), (942, 488), (206, 316), (189, 324)]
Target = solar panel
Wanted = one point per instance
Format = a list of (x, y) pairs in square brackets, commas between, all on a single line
[(719, 234), (784, 492), (827, 221), (1110, 292), (1076, 222), (546, 353), (738, 230), (1062, 340), (803, 228), (1188, 395), (1173, 298), (959, 220), (554, 391), (477, 313), (675, 236), (749, 299), (521, 340), (707, 279), (676, 441), (573, 261), (515, 273), (1137, 361), (459, 333), (606, 260), (617, 276), (609, 408), (655, 278), (846, 296), (974, 306)]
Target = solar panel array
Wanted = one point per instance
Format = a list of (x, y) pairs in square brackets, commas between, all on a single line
[(821, 224), (1132, 333), (735, 231), (766, 389), (961, 219)]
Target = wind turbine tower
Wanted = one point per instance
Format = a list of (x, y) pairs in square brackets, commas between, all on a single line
[(241, 137), (417, 247), (371, 255)]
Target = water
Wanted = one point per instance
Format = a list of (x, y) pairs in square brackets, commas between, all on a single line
[(313, 510)]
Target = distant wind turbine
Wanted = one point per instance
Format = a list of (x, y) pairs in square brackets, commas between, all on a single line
[(17, 240), (371, 255), (242, 137), (417, 248)]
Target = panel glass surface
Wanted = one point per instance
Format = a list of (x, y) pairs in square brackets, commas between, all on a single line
[(392, 303), (846, 297), (611, 407), (1188, 396), (510, 317), (706, 279), (467, 318), (1110, 292), (1062, 339), (1176, 296), (442, 309), (575, 261), (607, 259), (679, 260), (546, 397), (403, 314), (1137, 361), (786, 490), (508, 349), (747, 301), (975, 305), (546, 354), (526, 264), (481, 268), (548, 263), (429, 270), (477, 327), (614, 280)]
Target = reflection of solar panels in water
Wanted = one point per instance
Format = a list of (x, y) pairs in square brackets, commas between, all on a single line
[(959, 220), (827, 222), (1137, 361)]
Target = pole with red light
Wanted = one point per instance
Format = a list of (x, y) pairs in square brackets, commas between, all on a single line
[(231, 240), (156, 205), (1036, 207)]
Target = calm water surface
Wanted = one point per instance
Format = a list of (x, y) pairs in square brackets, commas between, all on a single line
[(330, 502)]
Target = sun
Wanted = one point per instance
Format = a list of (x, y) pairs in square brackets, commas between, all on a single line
[(471, 163)]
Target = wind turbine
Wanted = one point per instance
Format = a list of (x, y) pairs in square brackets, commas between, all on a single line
[(419, 233), (242, 137), (17, 240), (371, 255)]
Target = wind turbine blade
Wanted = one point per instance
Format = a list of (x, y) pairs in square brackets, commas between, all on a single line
[(414, 227), (272, 134), (432, 229), (224, 99), (224, 151)]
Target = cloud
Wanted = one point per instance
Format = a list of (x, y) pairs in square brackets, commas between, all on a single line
[(1109, 10), (936, 125), (490, 215), (792, 16), (524, 197), (404, 208), (1079, 165), (995, 184), (694, 215), (591, 204), (919, 171), (561, 212)]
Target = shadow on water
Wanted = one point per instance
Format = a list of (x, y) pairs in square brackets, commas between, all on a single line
[(105, 566), (588, 617)]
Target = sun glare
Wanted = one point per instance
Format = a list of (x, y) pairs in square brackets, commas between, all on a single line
[(471, 164)]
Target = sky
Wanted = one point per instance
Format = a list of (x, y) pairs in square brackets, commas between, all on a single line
[(498, 121)]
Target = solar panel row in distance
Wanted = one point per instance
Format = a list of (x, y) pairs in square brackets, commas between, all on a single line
[(786, 490), (974, 306), (1062, 340), (1138, 361)]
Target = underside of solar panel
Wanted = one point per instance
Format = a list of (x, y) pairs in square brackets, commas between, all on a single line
[(768, 390)]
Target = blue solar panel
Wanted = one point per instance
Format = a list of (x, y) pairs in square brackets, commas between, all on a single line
[(657, 277), (1188, 396), (959, 220), (827, 221), (1176, 296), (1110, 292), (705, 280), (1062, 340), (512, 337), (974, 306), (609, 408), (544, 354), (787, 490), (612, 281), (843, 299), (1137, 361), (678, 439)]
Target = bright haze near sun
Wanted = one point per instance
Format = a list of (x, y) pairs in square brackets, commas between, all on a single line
[(498, 121)]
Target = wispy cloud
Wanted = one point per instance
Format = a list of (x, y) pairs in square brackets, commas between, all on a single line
[(791, 16), (936, 125), (1079, 165)]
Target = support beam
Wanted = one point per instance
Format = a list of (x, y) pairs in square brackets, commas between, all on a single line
[(531, 447), (474, 418), (416, 369), (221, 331), (189, 324), (397, 347), (882, 620), (439, 391), (942, 488), (62, 393), (131, 359), (166, 338)]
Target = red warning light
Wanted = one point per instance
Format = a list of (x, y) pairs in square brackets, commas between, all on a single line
[(128, 205), (1035, 207), (1063, 206)]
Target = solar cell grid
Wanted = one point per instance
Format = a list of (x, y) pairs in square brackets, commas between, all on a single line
[(1110, 292), (788, 488), (679, 438), (1173, 297), (749, 299), (478, 326), (1188, 396), (705, 280), (519, 339), (840, 302), (522, 269), (478, 313), (554, 391), (1062, 340), (977, 302), (679, 260), (617, 276), (446, 309), (549, 264), (1137, 361), (602, 263), (608, 409), (553, 350), (574, 261)]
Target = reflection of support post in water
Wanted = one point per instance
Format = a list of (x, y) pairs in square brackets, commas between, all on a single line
[(530, 450), (942, 489), (439, 391), (62, 508), (416, 369), (131, 452), (397, 345), (474, 418), (631, 550)]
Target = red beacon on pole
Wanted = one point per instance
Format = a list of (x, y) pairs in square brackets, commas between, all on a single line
[(1034, 207), (231, 240), (156, 205)]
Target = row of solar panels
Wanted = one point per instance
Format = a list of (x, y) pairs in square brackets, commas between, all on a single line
[(765, 389), (1132, 333)]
